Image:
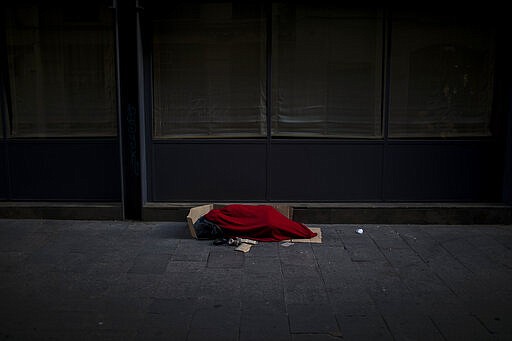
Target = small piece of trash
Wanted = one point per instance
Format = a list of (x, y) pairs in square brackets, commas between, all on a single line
[(286, 244), (234, 242), (248, 241), (243, 247), (237, 241), (360, 231)]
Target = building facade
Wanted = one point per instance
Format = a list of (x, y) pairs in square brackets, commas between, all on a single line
[(140, 105)]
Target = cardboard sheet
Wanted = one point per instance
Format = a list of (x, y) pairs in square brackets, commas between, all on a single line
[(317, 239)]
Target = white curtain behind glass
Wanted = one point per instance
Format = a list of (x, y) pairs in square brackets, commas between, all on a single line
[(441, 76), (61, 69), (327, 72), (209, 71)]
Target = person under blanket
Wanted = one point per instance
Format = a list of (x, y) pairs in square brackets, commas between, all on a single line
[(256, 222)]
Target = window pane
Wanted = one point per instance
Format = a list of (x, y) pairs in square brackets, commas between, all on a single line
[(209, 71), (61, 69), (326, 72), (441, 77)]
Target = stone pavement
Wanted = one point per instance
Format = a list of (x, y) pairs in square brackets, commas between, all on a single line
[(110, 280)]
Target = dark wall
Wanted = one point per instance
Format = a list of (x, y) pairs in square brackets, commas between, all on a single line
[(207, 171), (308, 171), (3, 172), (443, 171), (65, 170)]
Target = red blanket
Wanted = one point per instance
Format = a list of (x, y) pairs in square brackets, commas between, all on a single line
[(263, 223)]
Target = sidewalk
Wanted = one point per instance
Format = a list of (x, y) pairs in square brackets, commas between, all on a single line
[(97, 280)]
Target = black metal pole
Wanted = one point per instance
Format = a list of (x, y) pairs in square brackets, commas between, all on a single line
[(268, 103), (5, 109), (129, 108)]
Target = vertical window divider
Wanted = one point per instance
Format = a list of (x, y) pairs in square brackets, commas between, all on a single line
[(147, 61), (268, 99), (385, 95), (4, 81)]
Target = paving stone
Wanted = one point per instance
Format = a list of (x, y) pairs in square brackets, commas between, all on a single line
[(472, 258), (459, 326), (192, 250), (84, 280), (297, 254), (100, 334), (492, 248), (27, 243), (330, 236), (448, 268), (163, 327), (221, 283), (214, 334), (360, 246), (363, 326), (41, 321), (413, 271), (118, 321), (182, 307), (48, 287), (495, 318), (111, 262), (17, 226), (225, 257), (386, 237), (12, 261), (166, 230), (48, 256), (333, 258), (52, 335), (263, 250), (155, 246), (263, 322), (150, 264), (292, 271), (263, 265), (176, 266), (406, 320), (134, 285), (312, 319), (359, 303), (179, 285), (305, 290), (314, 337), (261, 287), (215, 322), (167, 319)]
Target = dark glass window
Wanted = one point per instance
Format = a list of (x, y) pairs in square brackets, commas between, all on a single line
[(209, 71), (61, 69), (327, 71), (441, 76)]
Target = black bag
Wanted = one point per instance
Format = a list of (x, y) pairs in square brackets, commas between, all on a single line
[(205, 229)]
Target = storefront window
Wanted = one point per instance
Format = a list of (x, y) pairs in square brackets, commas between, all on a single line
[(441, 77), (209, 71), (327, 72), (61, 70)]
